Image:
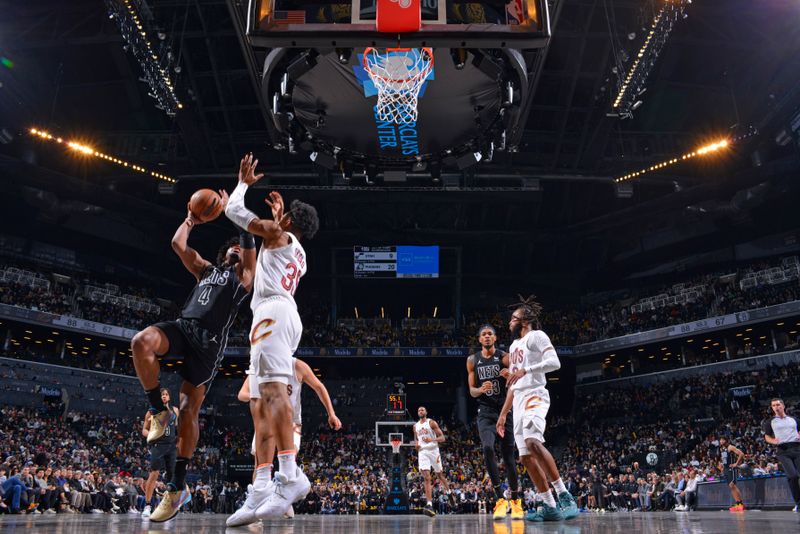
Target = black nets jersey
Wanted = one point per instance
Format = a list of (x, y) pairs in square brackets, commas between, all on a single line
[(488, 369), (215, 300)]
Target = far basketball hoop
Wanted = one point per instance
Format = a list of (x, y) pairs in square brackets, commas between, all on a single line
[(398, 75), (396, 441)]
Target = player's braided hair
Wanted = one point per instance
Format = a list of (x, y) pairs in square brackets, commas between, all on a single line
[(223, 250), (529, 308), (304, 218)]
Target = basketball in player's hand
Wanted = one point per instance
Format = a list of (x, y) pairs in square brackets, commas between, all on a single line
[(206, 204)]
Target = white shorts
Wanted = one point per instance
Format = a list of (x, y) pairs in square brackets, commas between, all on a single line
[(298, 433), (430, 459), (274, 338), (530, 410)]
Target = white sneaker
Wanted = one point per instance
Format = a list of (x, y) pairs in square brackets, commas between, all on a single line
[(289, 513), (49, 511), (133, 511), (146, 512), (286, 492), (96, 511), (246, 515), (795, 508)]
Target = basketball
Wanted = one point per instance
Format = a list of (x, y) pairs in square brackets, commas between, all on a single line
[(205, 204)]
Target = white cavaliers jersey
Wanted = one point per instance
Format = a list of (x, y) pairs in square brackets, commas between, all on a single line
[(424, 430), (533, 349), (278, 271), (293, 389)]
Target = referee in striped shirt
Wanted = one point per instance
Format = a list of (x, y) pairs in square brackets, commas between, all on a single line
[(781, 430)]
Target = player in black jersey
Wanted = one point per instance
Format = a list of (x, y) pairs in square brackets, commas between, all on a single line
[(730, 458), (198, 338), (162, 451), (489, 368)]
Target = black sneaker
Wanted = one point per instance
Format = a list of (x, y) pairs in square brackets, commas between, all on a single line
[(428, 510)]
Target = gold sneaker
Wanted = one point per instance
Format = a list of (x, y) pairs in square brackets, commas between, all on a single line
[(170, 505), (500, 509), (158, 425), (516, 509)]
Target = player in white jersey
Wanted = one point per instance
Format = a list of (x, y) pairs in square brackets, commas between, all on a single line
[(532, 356), (302, 375), (274, 336), (428, 436)]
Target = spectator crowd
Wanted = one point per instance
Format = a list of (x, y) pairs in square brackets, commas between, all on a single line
[(615, 315)]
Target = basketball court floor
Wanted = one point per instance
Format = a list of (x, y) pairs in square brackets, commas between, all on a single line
[(638, 523)]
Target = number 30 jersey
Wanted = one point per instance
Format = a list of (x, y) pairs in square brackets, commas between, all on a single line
[(215, 300), (278, 271)]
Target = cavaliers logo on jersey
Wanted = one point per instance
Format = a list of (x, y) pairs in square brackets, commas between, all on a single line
[(261, 331)]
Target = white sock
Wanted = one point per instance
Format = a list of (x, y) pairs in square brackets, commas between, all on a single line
[(559, 486), (547, 498), (287, 464), (263, 475)]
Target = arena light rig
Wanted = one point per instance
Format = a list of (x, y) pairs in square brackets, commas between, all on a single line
[(702, 151), (132, 17), (89, 151), (633, 84)]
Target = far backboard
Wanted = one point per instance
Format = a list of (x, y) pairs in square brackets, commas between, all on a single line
[(519, 24)]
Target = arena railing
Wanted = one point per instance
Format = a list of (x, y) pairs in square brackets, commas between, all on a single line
[(753, 363), (673, 333)]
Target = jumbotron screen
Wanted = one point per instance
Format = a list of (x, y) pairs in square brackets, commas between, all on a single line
[(396, 262)]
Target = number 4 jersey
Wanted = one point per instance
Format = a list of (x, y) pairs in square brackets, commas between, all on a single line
[(278, 271), (215, 299)]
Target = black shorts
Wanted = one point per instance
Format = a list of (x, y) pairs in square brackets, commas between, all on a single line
[(162, 457), (487, 428), (200, 350), (730, 474)]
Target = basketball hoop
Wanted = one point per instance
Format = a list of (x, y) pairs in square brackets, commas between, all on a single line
[(398, 75), (396, 440)]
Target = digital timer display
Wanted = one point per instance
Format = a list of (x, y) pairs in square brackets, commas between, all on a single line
[(396, 404)]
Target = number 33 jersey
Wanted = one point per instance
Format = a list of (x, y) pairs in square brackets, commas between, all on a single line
[(278, 272)]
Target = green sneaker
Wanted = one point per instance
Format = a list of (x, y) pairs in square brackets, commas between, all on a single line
[(533, 515), (568, 507), (550, 513)]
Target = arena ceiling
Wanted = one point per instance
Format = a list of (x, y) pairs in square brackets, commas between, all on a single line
[(730, 66)]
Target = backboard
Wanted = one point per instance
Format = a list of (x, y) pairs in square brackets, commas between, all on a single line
[(384, 429), (519, 24)]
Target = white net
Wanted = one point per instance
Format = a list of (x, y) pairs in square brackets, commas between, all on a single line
[(396, 441), (398, 75)]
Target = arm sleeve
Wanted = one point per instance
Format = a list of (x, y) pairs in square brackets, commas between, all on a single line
[(539, 341), (236, 210), (766, 428)]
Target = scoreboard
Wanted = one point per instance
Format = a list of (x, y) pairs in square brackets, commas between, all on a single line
[(396, 262), (396, 404)]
